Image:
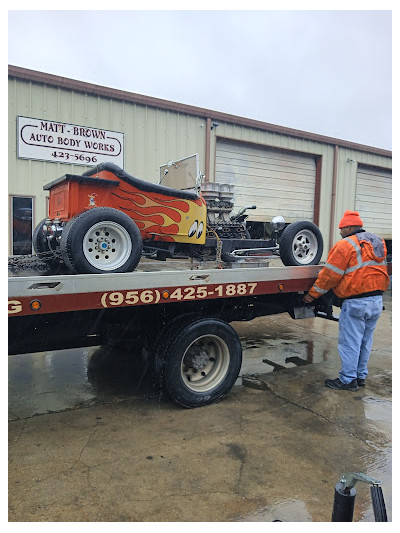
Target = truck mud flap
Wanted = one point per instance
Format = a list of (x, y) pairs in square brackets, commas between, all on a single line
[(297, 309), (321, 309)]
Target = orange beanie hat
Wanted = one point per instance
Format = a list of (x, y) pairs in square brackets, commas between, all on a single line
[(350, 218)]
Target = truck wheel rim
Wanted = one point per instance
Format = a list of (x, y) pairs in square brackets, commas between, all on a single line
[(107, 245), (305, 246), (205, 363)]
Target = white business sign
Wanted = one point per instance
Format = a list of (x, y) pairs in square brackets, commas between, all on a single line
[(46, 140)]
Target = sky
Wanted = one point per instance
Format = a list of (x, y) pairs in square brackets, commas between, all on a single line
[(327, 72)]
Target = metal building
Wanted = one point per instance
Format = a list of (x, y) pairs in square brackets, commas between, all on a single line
[(59, 126)]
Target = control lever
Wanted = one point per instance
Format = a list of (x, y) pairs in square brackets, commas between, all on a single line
[(345, 494), (349, 479)]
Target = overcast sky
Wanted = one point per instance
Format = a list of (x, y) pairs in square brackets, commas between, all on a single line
[(325, 72)]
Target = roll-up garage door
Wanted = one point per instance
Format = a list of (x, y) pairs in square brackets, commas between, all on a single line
[(374, 200), (277, 182)]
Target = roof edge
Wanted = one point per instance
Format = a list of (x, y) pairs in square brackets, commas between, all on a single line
[(117, 94)]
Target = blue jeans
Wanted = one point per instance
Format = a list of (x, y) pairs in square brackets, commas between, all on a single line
[(357, 323)]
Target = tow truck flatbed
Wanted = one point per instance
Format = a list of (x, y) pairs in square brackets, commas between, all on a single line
[(35, 295)]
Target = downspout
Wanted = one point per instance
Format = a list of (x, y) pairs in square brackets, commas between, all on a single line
[(333, 198), (208, 149)]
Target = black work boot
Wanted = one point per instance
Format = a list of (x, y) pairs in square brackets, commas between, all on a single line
[(339, 385), (361, 382)]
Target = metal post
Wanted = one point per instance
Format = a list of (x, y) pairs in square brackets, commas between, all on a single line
[(343, 503), (345, 494)]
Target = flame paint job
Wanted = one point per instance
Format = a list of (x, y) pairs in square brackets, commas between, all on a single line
[(158, 216)]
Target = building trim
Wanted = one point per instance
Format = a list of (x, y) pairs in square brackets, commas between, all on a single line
[(333, 195), (373, 167), (317, 191)]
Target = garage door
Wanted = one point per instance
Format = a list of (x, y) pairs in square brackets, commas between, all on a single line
[(278, 183), (374, 200)]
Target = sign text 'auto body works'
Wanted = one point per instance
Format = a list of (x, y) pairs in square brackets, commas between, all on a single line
[(46, 140)]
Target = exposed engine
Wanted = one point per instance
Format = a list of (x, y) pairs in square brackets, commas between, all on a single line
[(219, 200)]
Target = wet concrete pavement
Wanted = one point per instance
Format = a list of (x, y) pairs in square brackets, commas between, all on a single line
[(88, 442)]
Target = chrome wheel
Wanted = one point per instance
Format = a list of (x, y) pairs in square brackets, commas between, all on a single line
[(301, 243), (205, 363), (107, 245), (305, 246)]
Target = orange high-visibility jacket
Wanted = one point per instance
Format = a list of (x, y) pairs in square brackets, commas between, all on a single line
[(356, 265)]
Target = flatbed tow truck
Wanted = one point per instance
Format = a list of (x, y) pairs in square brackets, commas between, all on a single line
[(178, 319)]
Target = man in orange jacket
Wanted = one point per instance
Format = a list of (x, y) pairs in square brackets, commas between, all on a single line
[(356, 272)]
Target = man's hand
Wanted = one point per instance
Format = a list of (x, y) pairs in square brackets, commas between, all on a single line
[(307, 298)]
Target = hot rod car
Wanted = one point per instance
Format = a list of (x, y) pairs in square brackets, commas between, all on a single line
[(105, 220)]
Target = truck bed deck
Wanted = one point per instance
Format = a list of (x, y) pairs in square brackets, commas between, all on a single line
[(31, 295)]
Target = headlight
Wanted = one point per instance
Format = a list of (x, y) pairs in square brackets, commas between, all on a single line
[(278, 222)]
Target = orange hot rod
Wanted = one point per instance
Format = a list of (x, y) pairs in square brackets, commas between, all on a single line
[(105, 220)]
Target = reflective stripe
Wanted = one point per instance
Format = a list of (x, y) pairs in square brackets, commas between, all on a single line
[(320, 291), (365, 264), (357, 248), (352, 269), (335, 269), (382, 263)]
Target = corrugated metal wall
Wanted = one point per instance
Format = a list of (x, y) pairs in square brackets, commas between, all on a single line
[(151, 136), (154, 134)]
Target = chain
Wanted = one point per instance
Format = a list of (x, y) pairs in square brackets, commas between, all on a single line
[(39, 262), (219, 244)]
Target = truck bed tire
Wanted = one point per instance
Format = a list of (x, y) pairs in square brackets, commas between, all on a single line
[(301, 244), (198, 361), (84, 236)]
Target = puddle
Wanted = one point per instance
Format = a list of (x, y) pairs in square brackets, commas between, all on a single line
[(289, 510), (65, 379), (378, 409), (47, 381), (261, 356)]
